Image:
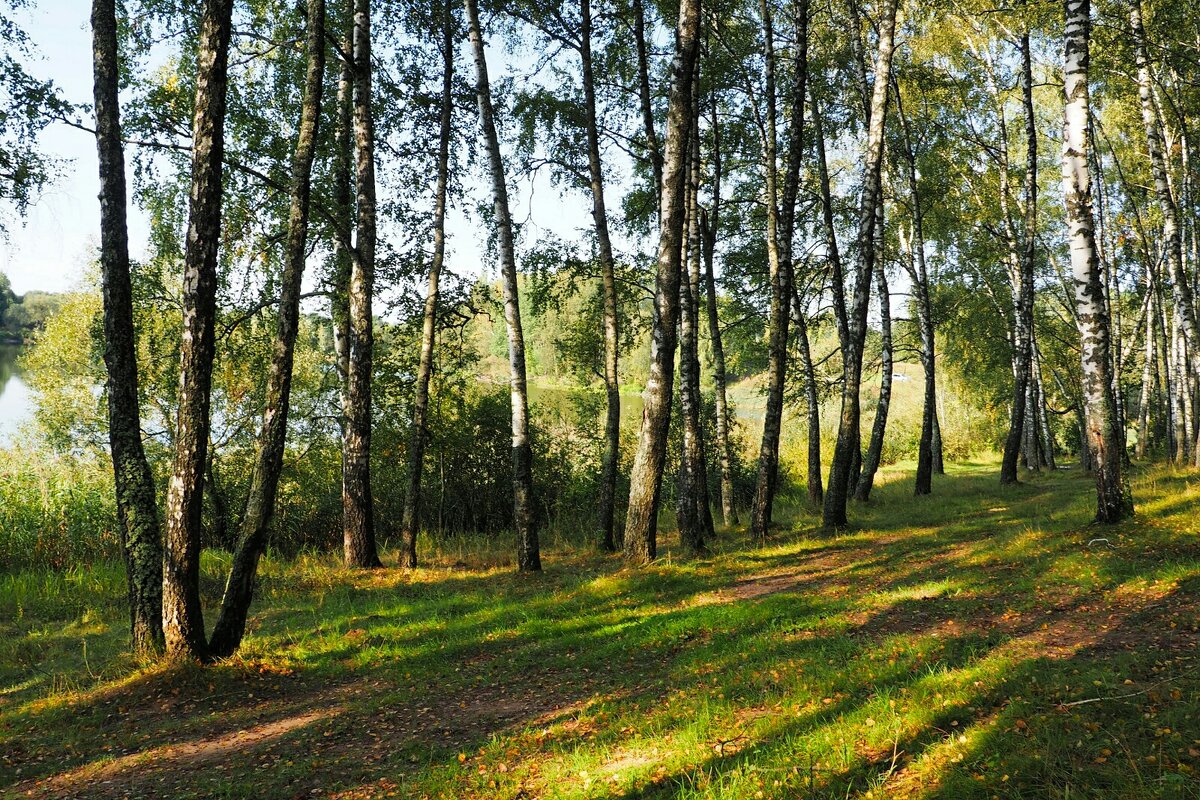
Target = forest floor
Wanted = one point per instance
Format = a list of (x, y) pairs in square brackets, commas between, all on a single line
[(981, 642)]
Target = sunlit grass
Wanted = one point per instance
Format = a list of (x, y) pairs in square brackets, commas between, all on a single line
[(933, 651)]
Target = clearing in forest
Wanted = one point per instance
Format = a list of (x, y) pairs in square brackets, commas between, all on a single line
[(976, 643)]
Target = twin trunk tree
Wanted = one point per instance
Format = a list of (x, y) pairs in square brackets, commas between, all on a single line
[(272, 438), (781, 218), (852, 319)]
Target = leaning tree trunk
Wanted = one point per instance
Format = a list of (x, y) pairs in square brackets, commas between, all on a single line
[(410, 518), (137, 505), (528, 555), (874, 454), (612, 381), (358, 505), (183, 623), (709, 226), (846, 451), (260, 505), (1113, 501), (641, 524)]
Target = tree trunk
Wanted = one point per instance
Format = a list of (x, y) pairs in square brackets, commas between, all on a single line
[(652, 148), (183, 623), (260, 505), (812, 404), (847, 452), (1113, 501), (866, 480), (709, 225), (939, 465), (641, 525), (780, 230), (694, 515), (612, 381), (358, 505), (410, 518), (1043, 416), (137, 504), (1023, 297), (1148, 360), (528, 555), (919, 274), (1172, 237), (343, 209)]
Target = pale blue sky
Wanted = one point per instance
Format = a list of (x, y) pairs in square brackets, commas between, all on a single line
[(52, 247)]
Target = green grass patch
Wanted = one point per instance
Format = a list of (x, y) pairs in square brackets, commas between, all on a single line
[(982, 642)]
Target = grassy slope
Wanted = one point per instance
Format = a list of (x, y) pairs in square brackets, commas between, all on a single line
[(929, 654)]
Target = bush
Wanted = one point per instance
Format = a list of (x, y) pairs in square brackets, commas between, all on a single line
[(55, 512)]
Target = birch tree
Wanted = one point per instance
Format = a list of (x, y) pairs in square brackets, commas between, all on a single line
[(641, 524), (183, 623), (528, 553), (1104, 439), (410, 519), (137, 503)]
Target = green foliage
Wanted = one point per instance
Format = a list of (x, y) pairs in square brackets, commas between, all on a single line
[(57, 512)]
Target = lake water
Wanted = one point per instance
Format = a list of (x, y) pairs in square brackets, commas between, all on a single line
[(16, 399)]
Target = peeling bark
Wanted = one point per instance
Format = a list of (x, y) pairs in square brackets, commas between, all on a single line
[(1104, 440)]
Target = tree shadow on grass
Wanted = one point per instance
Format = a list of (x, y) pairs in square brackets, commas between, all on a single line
[(391, 682)]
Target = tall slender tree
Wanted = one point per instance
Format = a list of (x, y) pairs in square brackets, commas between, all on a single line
[(781, 217), (1021, 407), (410, 518), (641, 525), (846, 451), (183, 623), (528, 552), (918, 273), (260, 505), (693, 515), (1104, 440), (358, 505), (709, 228), (137, 505), (608, 281)]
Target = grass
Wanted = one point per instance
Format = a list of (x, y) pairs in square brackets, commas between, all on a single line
[(978, 643)]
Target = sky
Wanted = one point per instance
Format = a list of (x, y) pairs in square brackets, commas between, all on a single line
[(51, 248)]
